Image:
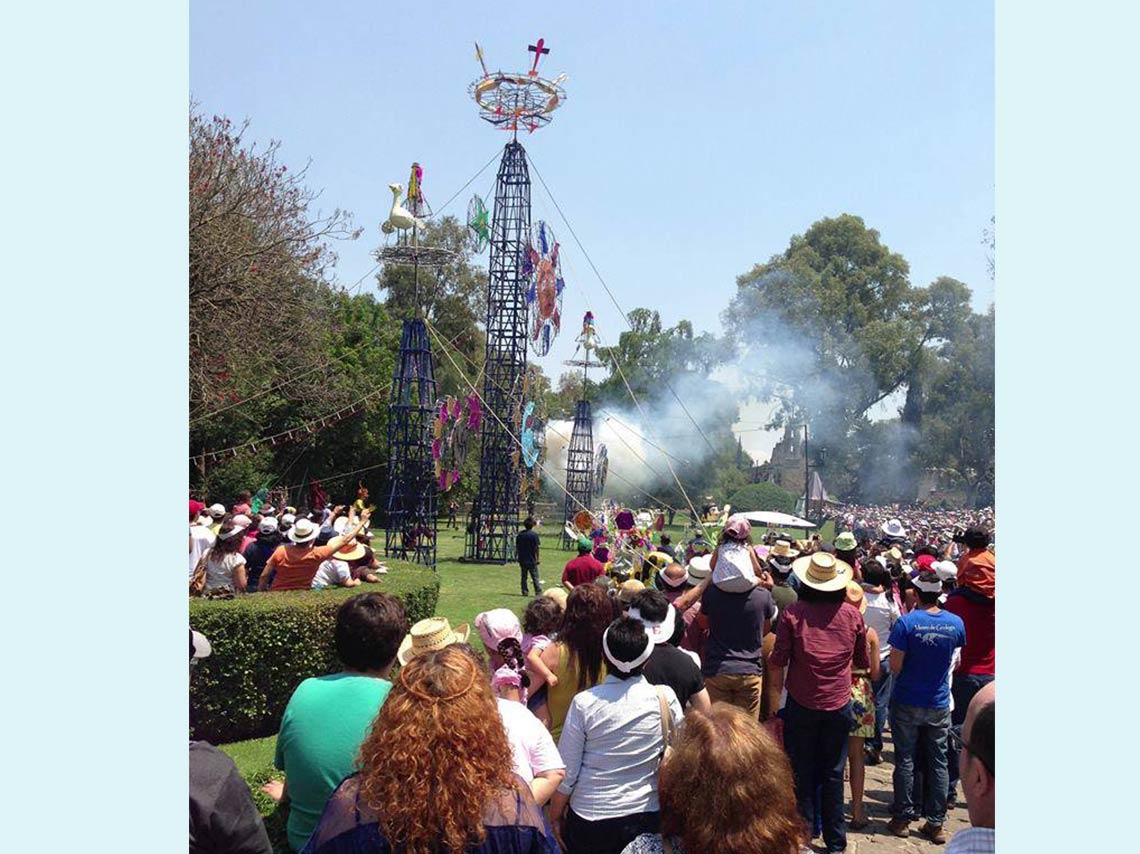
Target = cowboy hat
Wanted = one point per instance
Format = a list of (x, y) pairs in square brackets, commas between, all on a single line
[(303, 532), (699, 568), (783, 549), (628, 590), (845, 542), (430, 635), (673, 575), (353, 551), (822, 571), (893, 528)]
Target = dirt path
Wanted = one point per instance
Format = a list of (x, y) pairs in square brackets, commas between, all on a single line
[(875, 839)]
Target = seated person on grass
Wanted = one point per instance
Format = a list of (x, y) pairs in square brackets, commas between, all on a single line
[(328, 716)]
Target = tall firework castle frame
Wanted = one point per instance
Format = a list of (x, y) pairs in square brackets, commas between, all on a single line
[(510, 102), (412, 523)]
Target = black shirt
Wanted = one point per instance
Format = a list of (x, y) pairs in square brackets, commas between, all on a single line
[(670, 666), (222, 815), (526, 546)]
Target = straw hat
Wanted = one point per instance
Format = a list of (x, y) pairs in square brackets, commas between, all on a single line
[(783, 549), (430, 635), (353, 551), (304, 531), (822, 571), (628, 590), (855, 596)]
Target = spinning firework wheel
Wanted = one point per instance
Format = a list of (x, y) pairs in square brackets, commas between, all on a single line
[(454, 424), (601, 469), (478, 223), (544, 296)]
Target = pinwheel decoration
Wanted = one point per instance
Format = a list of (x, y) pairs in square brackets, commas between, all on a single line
[(544, 296), (601, 469), (451, 432), (478, 223)]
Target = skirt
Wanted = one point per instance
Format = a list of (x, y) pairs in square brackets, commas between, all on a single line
[(862, 706)]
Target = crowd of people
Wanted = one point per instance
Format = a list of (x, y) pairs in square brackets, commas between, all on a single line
[(242, 550), (713, 704)]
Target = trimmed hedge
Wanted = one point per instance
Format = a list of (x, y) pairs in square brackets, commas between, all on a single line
[(266, 644)]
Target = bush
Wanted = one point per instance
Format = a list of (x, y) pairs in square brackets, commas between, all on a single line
[(763, 496), (265, 644)]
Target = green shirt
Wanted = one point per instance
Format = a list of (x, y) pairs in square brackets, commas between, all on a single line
[(321, 731)]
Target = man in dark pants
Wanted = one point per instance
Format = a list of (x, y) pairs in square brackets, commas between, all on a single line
[(814, 636), (526, 546)]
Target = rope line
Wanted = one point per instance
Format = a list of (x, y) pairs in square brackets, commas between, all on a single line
[(610, 293)]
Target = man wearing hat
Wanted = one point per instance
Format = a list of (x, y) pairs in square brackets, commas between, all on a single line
[(583, 569), (818, 639), (217, 514), (327, 717), (293, 565), (258, 552), (978, 665), (976, 565), (923, 643), (223, 816), (780, 557)]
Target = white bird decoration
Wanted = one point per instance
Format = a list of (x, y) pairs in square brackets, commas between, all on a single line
[(400, 218)]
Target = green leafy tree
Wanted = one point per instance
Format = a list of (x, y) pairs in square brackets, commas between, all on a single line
[(834, 323), (763, 496)]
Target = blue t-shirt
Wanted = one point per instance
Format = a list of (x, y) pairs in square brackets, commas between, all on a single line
[(929, 641)]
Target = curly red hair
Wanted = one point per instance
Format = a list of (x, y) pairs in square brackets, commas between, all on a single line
[(728, 787), (436, 755)]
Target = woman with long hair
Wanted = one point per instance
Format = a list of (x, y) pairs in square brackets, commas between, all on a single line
[(225, 566), (435, 773), (726, 787), (576, 657)]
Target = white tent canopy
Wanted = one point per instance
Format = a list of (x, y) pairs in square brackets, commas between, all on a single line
[(774, 519)]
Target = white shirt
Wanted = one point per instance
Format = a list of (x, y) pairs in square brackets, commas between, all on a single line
[(201, 538), (331, 573), (611, 743), (532, 747), (881, 614), (220, 573)]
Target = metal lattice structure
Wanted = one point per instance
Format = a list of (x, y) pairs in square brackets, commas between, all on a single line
[(494, 519), (411, 529), (579, 464)]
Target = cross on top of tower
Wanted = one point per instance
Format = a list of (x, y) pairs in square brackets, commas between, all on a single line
[(538, 50)]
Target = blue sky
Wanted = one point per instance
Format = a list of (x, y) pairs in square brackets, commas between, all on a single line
[(693, 143)]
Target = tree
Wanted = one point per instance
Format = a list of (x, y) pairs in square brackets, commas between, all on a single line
[(763, 496), (258, 272), (452, 298), (833, 320), (958, 429)]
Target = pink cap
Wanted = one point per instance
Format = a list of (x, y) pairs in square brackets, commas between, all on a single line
[(497, 625), (737, 526)]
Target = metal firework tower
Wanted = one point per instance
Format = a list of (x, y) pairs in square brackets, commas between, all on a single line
[(412, 523), (509, 102), (582, 467)]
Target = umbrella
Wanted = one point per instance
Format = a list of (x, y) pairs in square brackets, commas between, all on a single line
[(773, 519)]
